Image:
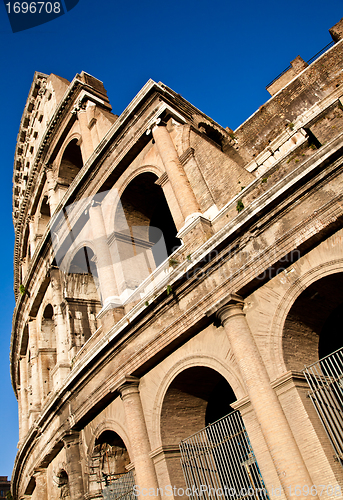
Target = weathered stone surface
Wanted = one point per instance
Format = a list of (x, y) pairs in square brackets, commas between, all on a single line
[(117, 352)]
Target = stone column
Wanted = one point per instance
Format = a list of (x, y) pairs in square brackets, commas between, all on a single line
[(24, 418), (34, 381), (41, 484), (74, 469), (52, 195), (140, 445), (86, 144), (62, 367), (24, 266), (32, 236), (173, 204), (181, 186), (284, 451), (105, 269)]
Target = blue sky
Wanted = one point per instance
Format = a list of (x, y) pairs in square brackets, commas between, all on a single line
[(217, 54)]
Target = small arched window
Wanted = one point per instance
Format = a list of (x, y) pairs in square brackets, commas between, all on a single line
[(71, 163), (144, 230)]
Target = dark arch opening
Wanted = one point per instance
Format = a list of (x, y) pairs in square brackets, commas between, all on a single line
[(212, 133), (84, 262), (45, 207), (48, 312), (71, 162), (44, 217), (82, 284), (112, 455), (144, 205), (26, 245), (197, 397), (111, 438), (48, 340), (63, 484), (312, 327), (144, 232), (331, 335)]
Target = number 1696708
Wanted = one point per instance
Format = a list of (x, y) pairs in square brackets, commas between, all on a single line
[(33, 7)]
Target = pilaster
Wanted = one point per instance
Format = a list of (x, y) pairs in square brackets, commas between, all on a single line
[(140, 445), (283, 449), (62, 367), (74, 469)]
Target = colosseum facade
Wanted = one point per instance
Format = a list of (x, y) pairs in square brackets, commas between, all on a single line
[(179, 292)]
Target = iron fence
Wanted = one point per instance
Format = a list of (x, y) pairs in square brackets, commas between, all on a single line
[(219, 462), (119, 487), (325, 378)]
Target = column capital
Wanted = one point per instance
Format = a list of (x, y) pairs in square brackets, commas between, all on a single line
[(80, 105), (128, 385), (155, 123), (39, 472), (70, 438), (226, 307), (48, 167)]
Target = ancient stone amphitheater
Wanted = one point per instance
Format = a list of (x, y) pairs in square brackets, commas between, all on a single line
[(179, 292)]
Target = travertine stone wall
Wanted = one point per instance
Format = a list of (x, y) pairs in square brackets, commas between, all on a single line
[(117, 351)]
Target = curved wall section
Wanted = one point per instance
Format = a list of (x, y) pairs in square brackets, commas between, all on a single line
[(168, 272)]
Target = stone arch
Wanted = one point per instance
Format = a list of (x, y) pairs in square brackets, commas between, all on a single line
[(82, 262), (47, 357), (110, 425), (123, 183), (70, 255), (71, 161), (109, 456), (25, 257), (229, 374), (286, 302), (144, 231), (43, 215), (310, 329), (195, 397), (82, 295)]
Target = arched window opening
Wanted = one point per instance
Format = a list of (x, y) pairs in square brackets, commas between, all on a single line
[(312, 335), (62, 481), (71, 163), (48, 312), (45, 207), (109, 464), (311, 329), (211, 133), (26, 254), (82, 297), (112, 453), (197, 397), (47, 354), (84, 265), (145, 233), (43, 217), (197, 416)]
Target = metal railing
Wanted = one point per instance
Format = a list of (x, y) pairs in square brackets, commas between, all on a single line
[(325, 378), (219, 462), (119, 486), (310, 61)]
